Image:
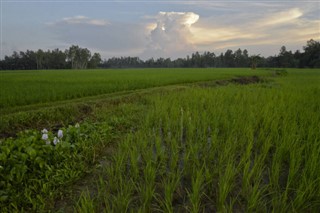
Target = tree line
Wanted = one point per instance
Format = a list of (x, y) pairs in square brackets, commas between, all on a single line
[(309, 58), (80, 58), (73, 58)]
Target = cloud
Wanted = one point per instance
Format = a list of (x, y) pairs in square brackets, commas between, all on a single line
[(259, 31), (203, 36), (282, 17), (81, 20), (176, 34), (170, 34)]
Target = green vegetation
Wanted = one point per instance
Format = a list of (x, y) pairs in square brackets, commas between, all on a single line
[(20, 88), (245, 145), (80, 58)]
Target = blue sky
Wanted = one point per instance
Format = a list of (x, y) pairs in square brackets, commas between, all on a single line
[(158, 28)]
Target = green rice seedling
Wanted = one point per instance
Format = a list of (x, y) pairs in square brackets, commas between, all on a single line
[(307, 195), (169, 183), (196, 193), (102, 187), (85, 204), (225, 185), (147, 188), (256, 199), (193, 160), (294, 169), (162, 157), (174, 158), (134, 158), (122, 199)]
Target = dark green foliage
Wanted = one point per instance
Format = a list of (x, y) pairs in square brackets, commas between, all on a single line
[(75, 57), (29, 167), (33, 171), (311, 56), (80, 58)]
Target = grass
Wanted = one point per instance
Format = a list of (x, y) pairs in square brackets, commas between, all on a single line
[(243, 148)]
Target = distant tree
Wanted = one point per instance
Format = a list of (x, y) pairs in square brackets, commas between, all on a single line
[(229, 58), (78, 57), (254, 61), (286, 58), (271, 61), (241, 58), (238, 58), (39, 58), (168, 62), (311, 56), (83, 56), (208, 59), (196, 60), (180, 62), (245, 58), (95, 60), (57, 59), (71, 55), (27, 60), (219, 62), (150, 62)]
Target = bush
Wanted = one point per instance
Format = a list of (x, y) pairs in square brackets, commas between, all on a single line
[(32, 166)]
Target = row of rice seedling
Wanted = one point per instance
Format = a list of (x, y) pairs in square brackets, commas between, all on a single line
[(236, 148)]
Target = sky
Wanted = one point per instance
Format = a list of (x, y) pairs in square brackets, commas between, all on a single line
[(157, 28)]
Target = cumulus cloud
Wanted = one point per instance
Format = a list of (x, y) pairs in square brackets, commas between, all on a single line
[(177, 34), (170, 34)]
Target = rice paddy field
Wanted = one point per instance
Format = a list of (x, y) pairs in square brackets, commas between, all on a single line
[(20, 88), (160, 140)]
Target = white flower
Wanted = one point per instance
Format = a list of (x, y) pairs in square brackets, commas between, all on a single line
[(77, 125), (55, 140), (44, 131), (60, 133), (44, 136)]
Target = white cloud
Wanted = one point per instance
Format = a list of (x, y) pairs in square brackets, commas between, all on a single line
[(170, 33), (259, 31), (282, 17), (82, 20), (219, 33)]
